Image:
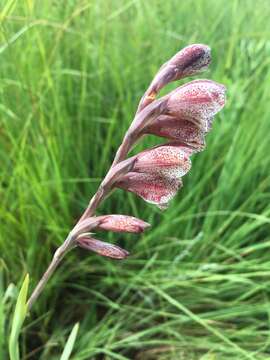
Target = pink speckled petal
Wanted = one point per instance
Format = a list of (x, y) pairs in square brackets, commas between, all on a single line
[(171, 161), (179, 130), (152, 188), (102, 248), (189, 61), (122, 223), (197, 101)]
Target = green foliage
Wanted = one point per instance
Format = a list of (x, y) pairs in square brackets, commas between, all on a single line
[(18, 320), (197, 284), (70, 343)]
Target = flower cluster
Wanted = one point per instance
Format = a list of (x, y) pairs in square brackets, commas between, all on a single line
[(183, 117)]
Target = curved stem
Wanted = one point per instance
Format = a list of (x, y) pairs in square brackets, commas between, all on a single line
[(142, 117), (93, 204), (58, 256)]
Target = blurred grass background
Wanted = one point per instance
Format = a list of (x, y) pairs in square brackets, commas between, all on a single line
[(197, 285)]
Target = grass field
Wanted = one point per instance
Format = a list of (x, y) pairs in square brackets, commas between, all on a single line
[(197, 285)]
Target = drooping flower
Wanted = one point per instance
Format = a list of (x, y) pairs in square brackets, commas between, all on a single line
[(197, 101), (101, 247), (189, 61), (157, 172), (169, 160), (154, 189), (182, 131)]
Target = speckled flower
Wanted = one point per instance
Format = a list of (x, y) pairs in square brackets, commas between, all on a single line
[(182, 131), (122, 223), (102, 248), (170, 160), (115, 223), (197, 101), (189, 61), (153, 188)]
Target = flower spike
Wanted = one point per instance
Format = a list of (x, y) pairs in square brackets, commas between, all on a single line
[(183, 116)]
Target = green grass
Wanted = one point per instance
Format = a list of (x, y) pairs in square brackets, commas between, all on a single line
[(197, 285)]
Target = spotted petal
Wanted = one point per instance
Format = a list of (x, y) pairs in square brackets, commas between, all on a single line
[(189, 61), (197, 101), (179, 130), (166, 160), (122, 223), (153, 188), (102, 248)]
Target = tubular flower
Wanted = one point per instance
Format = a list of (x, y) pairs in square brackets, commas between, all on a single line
[(189, 61), (170, 160), (101, 247), (197, 101), (115, 223), (182, 131), (122, 223), (154, 189), (157, 172)]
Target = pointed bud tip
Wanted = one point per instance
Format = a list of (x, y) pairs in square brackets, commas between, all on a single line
[(192, 60), (122, 223), (102, 248)]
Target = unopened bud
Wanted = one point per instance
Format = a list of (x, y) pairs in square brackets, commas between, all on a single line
[(122, 223), (102, 248)]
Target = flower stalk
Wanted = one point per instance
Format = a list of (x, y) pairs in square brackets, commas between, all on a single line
[(184, 116)]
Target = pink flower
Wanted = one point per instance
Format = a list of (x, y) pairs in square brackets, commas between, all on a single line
[(189, 61), (182, 131), (122, 223), (102, 248), (170, 160), (153, 188), (156, 174), (197, 101), (115, 223)]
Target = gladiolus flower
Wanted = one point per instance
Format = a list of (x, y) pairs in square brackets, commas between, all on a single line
[(115, 223), (156, 174), (101, 247), (197, 101), (122, 223), (189, 61), (170, 160), (153, 188), (182, 131)]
